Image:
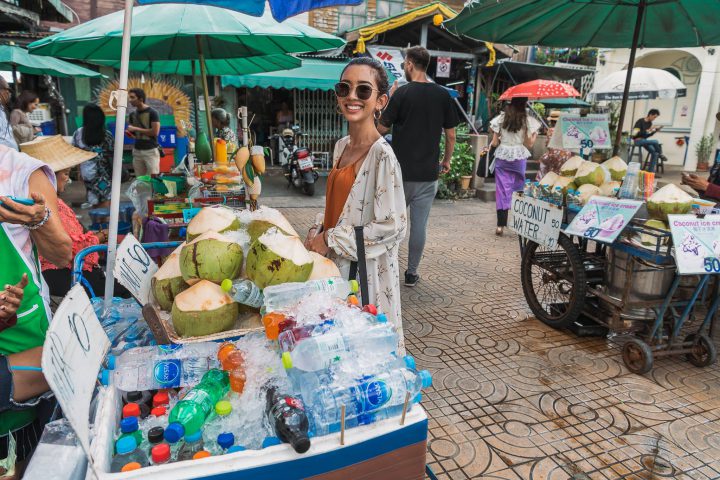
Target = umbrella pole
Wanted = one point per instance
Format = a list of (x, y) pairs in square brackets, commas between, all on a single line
[(121, 98), (206, 95), (195, 100), (14, 78), (628, 77)]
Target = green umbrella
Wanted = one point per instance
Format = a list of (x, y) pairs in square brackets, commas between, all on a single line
[(596, 23), (214, 67)]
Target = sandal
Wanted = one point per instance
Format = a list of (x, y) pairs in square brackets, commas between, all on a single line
[(499, 231)]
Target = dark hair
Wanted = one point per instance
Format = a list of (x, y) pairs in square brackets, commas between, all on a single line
[(654, 111), (93, 132), (381, 78), (221, 116), (419, 56), (139, 92), (26, 98), (515, 115)]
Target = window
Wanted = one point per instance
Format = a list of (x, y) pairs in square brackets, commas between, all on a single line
[(389, 8), (350, 17)]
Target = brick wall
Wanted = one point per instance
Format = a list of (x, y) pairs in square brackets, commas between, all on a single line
[(88, 10), (326, 19)]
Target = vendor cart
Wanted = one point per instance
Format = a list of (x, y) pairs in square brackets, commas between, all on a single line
[(631, 288)]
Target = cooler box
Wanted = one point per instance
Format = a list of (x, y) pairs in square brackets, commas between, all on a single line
[(167, 137), (48, 128), (167, 161)]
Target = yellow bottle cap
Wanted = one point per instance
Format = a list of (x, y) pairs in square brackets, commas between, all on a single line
[(287, 360), (223, 407), (226, 285), (354, 286)]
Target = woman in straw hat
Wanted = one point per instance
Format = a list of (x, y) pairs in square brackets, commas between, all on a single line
[(61, 158), (553, 159)]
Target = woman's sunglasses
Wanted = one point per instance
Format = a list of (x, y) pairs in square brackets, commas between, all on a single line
[(362, 91)]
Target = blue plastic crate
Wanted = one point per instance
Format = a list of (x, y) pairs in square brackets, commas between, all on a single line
[(48, 128), (168, 137)]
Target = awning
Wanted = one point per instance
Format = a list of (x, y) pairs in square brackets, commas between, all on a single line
[(520, 72), (314, 74)]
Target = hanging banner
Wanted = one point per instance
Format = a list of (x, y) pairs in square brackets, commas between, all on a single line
[(443, 67), (697, 243), (603, 218), (392, 59), (535, 219), (590, 132)]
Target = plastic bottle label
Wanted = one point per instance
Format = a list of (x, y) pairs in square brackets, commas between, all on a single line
[(330, 347), (377, 394), (325, 286), (167, 372)]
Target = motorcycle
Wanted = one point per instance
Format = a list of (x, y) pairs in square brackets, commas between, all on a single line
[(297, 163)]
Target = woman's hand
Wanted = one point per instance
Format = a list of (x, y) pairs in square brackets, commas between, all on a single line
[(318, 244), (19, 214), (695, 182), (11, 297), (310, 235)]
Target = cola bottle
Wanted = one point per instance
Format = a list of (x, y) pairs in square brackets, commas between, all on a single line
[(288, 419)]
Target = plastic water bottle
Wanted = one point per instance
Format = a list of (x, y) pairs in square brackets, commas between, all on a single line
[(628, 189), (557, 196), (151, 354), (192, 445), (127, 452), (285, 294), (527, 188), (319, 352), (222, 423), (288, 419), (129, 429), (160, 454), (244, 291), (190, 413)]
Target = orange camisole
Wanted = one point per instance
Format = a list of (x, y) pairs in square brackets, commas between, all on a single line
[(339, 184)]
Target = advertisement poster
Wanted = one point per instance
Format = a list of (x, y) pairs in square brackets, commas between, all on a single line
[(697, 243), (391, 58), (589, 132), (603, 219), (535, 219)]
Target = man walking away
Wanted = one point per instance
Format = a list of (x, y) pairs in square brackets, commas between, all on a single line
[(144, 126), (642, 131), (418, 112)]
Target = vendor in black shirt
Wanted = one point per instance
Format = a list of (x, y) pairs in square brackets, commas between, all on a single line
[(642, 131)]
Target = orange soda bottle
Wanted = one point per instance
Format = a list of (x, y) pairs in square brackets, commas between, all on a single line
[(237, 380), (224, 350), (233, 360)]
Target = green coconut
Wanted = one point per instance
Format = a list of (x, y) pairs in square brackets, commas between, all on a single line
[(168, 281), (323, 267), (586, 192), (617, 168), (566, 183), (276, 258), (650, 240), (590, 173), (608, 189), (570, 168), (203, 309), (211, 256), (212, 219), (669, 200), (549, 179), (265, 218)]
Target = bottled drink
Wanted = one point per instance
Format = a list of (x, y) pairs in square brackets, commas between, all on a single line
[(286, 294), (628, 189), (221, 423), (201, 454), (292, 336), (225, 440), (155, 437), (233, 362), (224, 350), (557, 196), (161, 399), (190, 413), (141, 398), (127, 452), (158, 368), (236, 448), (527, 188), (288, 420), (536, 190), (130, 467), (319, 352), (244, 291), (160, 454), (134, 410), (193, 444), (129, 428)]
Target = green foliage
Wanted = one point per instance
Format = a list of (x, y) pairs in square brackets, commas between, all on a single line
[(704, 149), (462, 163), (539, 108)]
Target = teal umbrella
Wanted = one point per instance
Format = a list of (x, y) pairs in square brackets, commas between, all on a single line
[(13, 57), (596, 23), (214, 67)]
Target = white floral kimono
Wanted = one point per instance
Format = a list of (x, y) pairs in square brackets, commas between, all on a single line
[(377, 202)]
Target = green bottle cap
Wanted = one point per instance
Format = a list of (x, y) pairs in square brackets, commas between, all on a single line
[(223, 407), (226, 285), (287, 360), (354, 286)]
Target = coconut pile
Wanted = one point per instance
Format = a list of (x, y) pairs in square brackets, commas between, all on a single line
[(587, 178), (260, 246)]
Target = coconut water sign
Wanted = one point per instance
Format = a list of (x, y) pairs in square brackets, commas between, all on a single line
[(581, 133), (697, 243), (602, 219), (535, 219)]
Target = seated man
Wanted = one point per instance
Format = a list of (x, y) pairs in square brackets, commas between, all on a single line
[(642, 131)]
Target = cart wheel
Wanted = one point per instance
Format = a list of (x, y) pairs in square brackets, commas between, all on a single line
[(704, 352), (554, 282), (637, 356)]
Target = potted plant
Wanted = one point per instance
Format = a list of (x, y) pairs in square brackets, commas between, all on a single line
[(703, 150)]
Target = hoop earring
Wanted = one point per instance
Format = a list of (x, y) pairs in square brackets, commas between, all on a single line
[(377, 115)]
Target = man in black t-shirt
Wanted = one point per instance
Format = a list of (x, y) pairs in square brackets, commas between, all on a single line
[(642, 131), (144, 126), (418, 113)]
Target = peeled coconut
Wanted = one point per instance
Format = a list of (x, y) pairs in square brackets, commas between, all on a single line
[(590, 173), (586, 192), (212, 219), (276, 258), (650, 240), (211, 256), (168, 281), (570, 168), (549, 179), (607, 189), (323, 267), (617, 168), (670, 199), (566, 183), (265, 218), (203, 309)]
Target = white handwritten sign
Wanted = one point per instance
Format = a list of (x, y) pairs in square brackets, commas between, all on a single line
[(72, 354), (603, 218), (134, 268), (535, 220), (697, 243)]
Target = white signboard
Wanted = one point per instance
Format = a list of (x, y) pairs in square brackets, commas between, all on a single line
[(697, 243), (443, 67), (535, 219), (134, 268), (391, 58), (584, 133), (72, 354), (603, 218)]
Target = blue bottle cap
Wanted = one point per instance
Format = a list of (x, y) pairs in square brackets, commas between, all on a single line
[(410, 362), (381, 318), (174, 432), (426, 378), (128, 424), (236, 448), (193, 437), (225, 440), (125, 445), (104, 377), (111, 362), (270, 441), (418, 398)]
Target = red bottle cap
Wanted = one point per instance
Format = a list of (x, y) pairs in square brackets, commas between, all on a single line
[(161, 398), (131, 410), (160, 453), (371, 309), (158, 411)]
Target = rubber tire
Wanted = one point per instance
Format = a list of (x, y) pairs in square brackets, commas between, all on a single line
[(577, 302), (646, 356), (308, 189), (704, 342)]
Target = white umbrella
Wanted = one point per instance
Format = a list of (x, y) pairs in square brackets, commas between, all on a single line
[(646, 83)]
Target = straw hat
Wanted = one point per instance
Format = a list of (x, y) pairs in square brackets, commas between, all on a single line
[(554, 116), (56, 152)]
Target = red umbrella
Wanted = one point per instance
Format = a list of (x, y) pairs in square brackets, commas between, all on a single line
[(539, 89)]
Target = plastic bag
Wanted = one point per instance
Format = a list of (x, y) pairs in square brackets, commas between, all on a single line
[(140, 192)]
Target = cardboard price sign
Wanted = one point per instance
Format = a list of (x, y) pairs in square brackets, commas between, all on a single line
[(72, 354), (697, 243), (134, 268), (535, 219)]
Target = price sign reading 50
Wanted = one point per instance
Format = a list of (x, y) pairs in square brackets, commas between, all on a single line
[(134, 268), (712, 264)]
